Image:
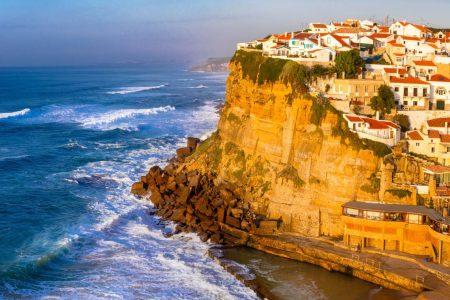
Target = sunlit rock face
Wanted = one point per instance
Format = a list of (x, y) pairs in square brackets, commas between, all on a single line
[(286, 166)]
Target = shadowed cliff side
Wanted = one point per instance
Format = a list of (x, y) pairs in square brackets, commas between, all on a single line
[(292, 154)]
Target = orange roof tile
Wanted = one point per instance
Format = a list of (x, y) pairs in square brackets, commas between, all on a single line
[(394, 44), (438, 169), (373, 123), (380, 35), (424, 63), (414, 135), (319, 25), (438, 122), (434, 134), (440, 78), (408, 80), (400, 71), (411, 38)]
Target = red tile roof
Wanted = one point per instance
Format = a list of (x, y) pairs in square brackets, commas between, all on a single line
[(340, 40), (424, 63), (400, 71), (445, 138), (414, 135), (421, 28), (434, 134), (438, 122), (373, 123), (408, 80), (319, 25), (394, 44), (440, 78), (380, 35), (437, 169), (410, 38)]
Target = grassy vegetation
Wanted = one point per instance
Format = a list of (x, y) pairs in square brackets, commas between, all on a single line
[(373, 187), (262, 69), (211, 149), (233, 118), (291, 173), (400, 193)]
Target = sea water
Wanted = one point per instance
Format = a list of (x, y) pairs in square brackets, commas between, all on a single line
[(72, 141)]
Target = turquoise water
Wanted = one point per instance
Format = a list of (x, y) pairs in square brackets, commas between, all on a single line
[(72, 141)]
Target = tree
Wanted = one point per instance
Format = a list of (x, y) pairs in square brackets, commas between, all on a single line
[(403, 121), (384, 101), (349, 62)]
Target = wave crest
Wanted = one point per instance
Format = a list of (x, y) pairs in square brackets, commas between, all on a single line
[(100, 120), (14, 113), (135, 89)]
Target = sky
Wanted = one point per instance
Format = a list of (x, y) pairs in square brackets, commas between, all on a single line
[(93, 32)]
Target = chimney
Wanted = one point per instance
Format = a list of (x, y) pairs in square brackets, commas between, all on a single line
[(292, 35), (286, 34), (320, 41), (377, 115)]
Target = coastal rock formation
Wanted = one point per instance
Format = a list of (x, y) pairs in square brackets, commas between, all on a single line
[(288, 157)]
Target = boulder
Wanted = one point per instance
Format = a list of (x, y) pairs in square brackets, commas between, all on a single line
[(138, 189), (236, 212), (192, 143), (156, 198), (178, 215), (233, 221), (182, 153)]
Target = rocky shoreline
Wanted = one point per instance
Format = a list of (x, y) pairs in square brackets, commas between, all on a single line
[(197, 203)]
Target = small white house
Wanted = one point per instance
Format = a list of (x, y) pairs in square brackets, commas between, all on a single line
[(440, 92), (381, 131)]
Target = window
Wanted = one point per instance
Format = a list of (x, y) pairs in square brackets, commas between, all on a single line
[(415, 103), (414, 219), (405, 102), (372, 215), (405, 91), (441, 91), (448, 149), (396, 89), (417, 144), (425, 92), (432, 149), (351, 212), (415, 92)]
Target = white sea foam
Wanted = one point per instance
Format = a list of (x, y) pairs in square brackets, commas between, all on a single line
[(200, 86), (102, 120), (135, 89), (14, 113)]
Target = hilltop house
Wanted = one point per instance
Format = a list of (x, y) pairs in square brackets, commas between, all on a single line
[(423, 69), (434, 141), (440, 92), (381, 131), (357, 91), (318, 28), (408, 29), (396, 52), (410, 93), (336, 42)]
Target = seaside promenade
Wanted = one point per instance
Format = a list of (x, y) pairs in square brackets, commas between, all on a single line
[(392, 270)]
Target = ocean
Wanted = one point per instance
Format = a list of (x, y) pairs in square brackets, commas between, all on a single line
[(72, 141)]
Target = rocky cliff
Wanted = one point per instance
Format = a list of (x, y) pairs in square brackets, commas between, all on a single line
[(290, 153), (283, 155)]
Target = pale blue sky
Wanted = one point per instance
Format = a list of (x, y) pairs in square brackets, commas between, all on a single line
[(68, 32)]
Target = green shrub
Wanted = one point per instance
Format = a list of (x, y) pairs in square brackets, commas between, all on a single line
[(400, 193), (291, 173)]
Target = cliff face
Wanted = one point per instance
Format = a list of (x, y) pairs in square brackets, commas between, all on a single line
[(285, 152)]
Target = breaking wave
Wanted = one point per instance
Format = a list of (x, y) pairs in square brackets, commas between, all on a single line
[(200, 86), (14, 113), (99, 121), (135, 89)]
